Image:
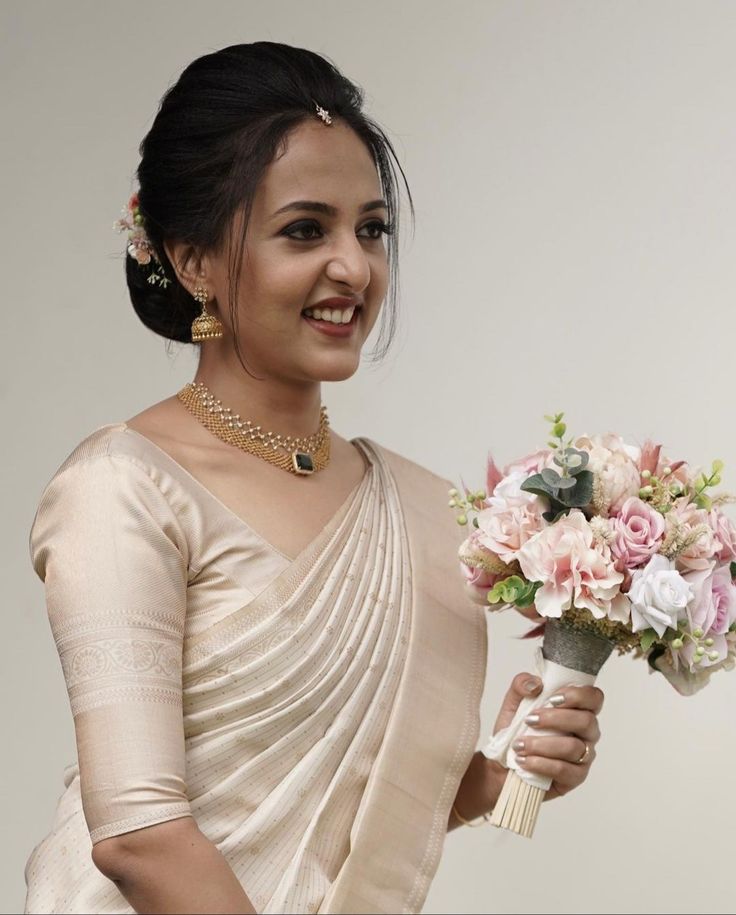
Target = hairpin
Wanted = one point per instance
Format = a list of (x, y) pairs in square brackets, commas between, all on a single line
[(323, 113)]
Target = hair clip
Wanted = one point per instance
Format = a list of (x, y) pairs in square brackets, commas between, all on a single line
[(323, 113)]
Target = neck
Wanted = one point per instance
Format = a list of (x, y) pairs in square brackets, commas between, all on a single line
[(275, 404)]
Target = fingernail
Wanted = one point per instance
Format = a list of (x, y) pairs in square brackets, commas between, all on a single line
[(521, 760), (519, 745), (557, 700), (531, 685), (532, 719)]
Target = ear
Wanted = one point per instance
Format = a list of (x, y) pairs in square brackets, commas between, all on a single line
[(187, 263)]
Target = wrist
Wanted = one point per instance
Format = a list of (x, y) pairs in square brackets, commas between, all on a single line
[(478, 790)]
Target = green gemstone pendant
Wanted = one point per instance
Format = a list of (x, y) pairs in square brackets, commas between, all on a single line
[(303, 462)]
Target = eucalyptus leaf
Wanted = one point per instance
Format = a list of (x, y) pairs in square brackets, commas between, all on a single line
[(566, 482), (554, 514), (536, 485), (551, 477)]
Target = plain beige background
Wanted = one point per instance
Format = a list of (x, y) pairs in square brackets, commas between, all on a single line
[(573, 166)]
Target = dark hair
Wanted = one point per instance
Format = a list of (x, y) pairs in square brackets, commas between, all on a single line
[(216, 130)]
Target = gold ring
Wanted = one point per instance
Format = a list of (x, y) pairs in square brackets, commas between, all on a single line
[(584, 756)]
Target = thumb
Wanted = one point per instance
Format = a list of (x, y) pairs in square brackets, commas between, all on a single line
[(523, 686)]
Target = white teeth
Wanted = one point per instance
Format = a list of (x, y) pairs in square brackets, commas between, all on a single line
[(334, 316)]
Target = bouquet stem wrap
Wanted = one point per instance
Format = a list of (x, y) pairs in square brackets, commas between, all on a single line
[(567, 657)]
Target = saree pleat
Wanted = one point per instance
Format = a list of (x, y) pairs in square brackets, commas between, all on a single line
[(327, 722), (288, 700)]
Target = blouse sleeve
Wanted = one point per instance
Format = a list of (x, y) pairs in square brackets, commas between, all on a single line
[(113, 559)]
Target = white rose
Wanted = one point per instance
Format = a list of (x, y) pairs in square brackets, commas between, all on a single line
[(659, 595)]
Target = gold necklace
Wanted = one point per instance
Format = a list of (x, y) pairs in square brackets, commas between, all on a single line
[(303, 455)]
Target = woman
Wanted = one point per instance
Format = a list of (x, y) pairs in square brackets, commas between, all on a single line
[(273, 667)]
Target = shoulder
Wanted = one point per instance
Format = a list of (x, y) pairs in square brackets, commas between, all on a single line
[(107, 484), (406, 468), (108, 452)]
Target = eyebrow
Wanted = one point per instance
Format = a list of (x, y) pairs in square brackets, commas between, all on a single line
[(317, 206)]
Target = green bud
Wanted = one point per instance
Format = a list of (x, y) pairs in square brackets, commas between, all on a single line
[(698, 633), (700, 651), (645, 491), (452, 492), (667, 471), (717, 466), (645, 474), (709, 642), (676, 643), (559, 429), (462, 519), (712, 655), (697, 658), (481, 494), (138, 219), (452, 503)]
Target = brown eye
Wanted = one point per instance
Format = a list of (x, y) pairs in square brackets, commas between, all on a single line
[(301, 227)]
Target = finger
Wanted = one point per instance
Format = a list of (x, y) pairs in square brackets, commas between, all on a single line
[(522, 687), (560, 771), (568, 749), (569, 721), (585, 697)]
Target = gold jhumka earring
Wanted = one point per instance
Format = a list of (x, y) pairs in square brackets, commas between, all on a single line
[(205, 326)]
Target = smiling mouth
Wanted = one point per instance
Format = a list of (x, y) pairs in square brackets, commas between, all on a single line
[(335, 316)]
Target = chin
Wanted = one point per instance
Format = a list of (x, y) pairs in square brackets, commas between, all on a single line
[(337, 370)]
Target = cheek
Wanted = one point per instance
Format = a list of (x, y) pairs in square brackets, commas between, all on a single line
[(272, 284)]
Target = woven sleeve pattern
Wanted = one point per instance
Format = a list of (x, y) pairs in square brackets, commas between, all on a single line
[(113, 559)]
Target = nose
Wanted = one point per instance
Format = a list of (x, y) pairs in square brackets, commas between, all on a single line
[(349, 263)]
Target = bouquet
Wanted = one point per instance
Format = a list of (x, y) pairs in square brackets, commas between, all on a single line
[(611, 547)]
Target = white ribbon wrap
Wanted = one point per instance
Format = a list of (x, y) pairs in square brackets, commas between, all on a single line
[(554, 678)]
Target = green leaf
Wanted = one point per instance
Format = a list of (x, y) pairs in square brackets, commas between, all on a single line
[(732, 567), (583, 456), (566, 483), (536, 484), (554, 514), (580, 494), (647, 638), (551, 477)]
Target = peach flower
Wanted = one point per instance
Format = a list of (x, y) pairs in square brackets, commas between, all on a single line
[(575, 570)]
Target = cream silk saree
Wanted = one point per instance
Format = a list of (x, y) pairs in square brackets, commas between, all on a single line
[(314, 715)]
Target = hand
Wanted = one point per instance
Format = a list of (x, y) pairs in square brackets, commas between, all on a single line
[(576, 720)]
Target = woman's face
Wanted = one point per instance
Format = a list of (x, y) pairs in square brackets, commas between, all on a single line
[(296, 258)]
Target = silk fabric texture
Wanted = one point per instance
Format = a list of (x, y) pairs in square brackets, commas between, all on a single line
[(313, 714)]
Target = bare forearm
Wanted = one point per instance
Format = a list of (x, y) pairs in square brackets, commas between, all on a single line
[(478, 790), (188, 875)]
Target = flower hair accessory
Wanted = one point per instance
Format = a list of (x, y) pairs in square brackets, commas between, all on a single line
[(139, 244)]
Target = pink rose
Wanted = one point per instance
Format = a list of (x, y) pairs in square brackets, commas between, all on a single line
[(574, 569), (725, 531), (713, 608), (639, 530)]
